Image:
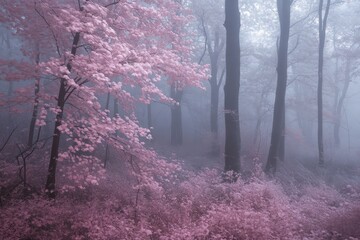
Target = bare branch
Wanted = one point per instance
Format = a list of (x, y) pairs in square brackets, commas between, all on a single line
[(7, 139), (206, 38), (52, 32), (221, 78), (296, 45), (113, 3)]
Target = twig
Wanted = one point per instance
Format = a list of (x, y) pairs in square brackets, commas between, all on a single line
[(113, 3), (52, 32), (7, 139)]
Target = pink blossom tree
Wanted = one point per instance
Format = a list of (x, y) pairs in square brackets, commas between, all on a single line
[(87, 45)]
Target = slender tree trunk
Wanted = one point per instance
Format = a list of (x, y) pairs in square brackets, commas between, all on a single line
[(340, 104), (176, 118), (281, 150), (214, 53), (116, 107), (215, 146), (284, 7), (257, 129), (322, 35), (336, 101), (51, 177), (36, 104), (149, 121), (232, 86), (259, 117), (214, 101), (107, 106)]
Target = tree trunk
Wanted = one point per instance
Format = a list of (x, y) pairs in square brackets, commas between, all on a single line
[(116, 107), (107, 106), (259, 116), (214, 53), (149, 121), (336, 100), (231, 88), (176, 118), (322, 35), (36, 104), (281, 150), (284, 7), (340, 104), (50, 181), (214, 101)]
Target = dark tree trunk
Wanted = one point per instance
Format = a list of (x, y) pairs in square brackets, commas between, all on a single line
[(36, 105), (322, 35), (50, 181), (284, 7), (176, 118), (232, 85)]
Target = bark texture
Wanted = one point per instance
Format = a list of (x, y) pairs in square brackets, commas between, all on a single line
[(231, 88)]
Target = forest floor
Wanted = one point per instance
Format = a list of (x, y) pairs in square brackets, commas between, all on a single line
[(303, 201)]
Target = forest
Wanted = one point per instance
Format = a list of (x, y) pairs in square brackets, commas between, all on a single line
[(179, 119)]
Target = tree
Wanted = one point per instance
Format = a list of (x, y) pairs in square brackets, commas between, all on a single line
[(345, 54), (177, 85), (210, 15), (322, 35), (284, 7), (61, 99), (232, 85), (108, 41), (36, 102), (210, 23)]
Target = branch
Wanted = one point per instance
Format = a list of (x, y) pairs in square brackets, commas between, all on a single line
[(296, 45), (113, 3), (7, 139), (206, 39), (327, 9), (221, 78), (52, 32)]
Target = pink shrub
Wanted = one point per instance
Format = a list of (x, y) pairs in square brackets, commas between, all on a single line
[(197, 208)]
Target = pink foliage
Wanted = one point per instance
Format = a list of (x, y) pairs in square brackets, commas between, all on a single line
[(122, 46), (199, 207)]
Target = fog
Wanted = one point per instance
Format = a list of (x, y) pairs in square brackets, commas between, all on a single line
[(113, 120)]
